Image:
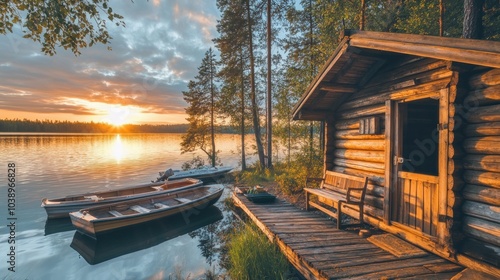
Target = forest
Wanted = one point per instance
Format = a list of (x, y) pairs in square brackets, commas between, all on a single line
[(268, 52), (25, 125)]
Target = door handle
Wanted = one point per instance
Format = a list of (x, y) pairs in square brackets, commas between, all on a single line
[(399, 160)]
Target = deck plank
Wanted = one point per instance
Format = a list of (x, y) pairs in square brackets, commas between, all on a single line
[(318, 250)]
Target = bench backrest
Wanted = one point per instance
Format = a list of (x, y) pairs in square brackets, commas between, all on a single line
[(340, 182)]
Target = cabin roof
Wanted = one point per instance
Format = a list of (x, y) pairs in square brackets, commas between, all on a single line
[(361, 54)]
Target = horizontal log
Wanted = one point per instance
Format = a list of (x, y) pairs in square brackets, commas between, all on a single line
[(455, 166), (347, 124), (456, 122), (456, 215), (453, 199), (460, 55), (481, 229), (481, 250), (371, 156), (418, 70), (484, 96), (483, 129), (481, 114), (375, 190), (483, 194), (482, 163), (485, 79), (363, 112), (457, 94), (482, 178), (372, 178), (455, 151), (455, 137), (380, 95), (374, 212), (372, 145), (354, 135), (455, 182), (489, 145), (376, 202), (373, 167), (482, 211)]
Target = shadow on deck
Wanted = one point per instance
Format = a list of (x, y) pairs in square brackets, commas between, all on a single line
[(318, 250)]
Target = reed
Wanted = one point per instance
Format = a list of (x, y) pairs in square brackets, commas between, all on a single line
[(252, 256)]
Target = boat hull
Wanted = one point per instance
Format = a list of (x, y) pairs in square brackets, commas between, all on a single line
[(56, 208), (96, 227), (206, 175), (139, 237)]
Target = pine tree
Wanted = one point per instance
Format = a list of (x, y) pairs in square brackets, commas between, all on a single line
[(233, 53), (201, 96)]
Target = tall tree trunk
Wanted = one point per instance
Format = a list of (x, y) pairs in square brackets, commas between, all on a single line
[(313, 70), (243, 156), (362, 20), (441, 18), (473, 19), (253, 95), (212, 97), (269, 93)]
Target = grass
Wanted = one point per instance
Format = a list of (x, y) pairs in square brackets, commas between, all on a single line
[(252, 256)]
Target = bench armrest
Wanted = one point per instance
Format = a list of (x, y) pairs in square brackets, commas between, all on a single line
[(349, 190)]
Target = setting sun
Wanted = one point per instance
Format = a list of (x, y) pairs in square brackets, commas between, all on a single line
[(118, 115)]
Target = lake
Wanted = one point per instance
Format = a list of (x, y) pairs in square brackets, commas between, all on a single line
[(56, 165)]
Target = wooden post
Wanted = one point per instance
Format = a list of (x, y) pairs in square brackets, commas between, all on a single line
[(443, 233), (389, 113)]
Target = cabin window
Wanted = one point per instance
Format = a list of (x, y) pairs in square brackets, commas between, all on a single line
[(421, 136), (369, 125)]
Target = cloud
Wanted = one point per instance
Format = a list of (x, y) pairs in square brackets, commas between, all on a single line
[(151, 62)]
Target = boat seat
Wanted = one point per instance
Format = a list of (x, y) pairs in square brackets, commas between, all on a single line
[(183, 200), (140, 209), (161, 206), (115, 213), (93, 197)]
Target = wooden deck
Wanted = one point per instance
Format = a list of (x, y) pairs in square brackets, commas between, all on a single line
[(318, 250)]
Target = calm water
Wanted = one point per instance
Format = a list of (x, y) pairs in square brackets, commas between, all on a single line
[(59, 165)]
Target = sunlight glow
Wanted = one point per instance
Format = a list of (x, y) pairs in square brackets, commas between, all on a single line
[(118, 115), (118, 150)]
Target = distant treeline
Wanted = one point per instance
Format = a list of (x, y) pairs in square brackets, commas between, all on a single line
[(25, 125)]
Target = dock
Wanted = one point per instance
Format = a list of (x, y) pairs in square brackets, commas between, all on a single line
[(318, 250)]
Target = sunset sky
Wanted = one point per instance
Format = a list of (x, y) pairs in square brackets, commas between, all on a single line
[(140, 81)]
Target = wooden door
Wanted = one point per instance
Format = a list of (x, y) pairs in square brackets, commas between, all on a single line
[(414, 203)]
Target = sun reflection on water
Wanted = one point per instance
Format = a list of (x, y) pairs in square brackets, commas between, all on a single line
[(118, 151)]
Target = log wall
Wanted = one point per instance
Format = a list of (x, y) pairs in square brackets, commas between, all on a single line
[(480, 115), (350, 152)]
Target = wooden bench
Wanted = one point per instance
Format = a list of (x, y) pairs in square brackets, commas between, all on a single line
[(337, 190)]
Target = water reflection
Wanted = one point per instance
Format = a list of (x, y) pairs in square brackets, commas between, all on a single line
[(144, 236), (56, 165), (58, 225), (118, 149)]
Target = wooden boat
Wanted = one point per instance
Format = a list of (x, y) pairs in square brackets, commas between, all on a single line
[(61, 207), (204, 173), (139, 237), (98, 220)]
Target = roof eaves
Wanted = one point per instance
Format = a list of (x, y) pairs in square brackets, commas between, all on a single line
[(339, 51)]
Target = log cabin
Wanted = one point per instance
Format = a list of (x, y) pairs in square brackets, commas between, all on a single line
[(419, 116)]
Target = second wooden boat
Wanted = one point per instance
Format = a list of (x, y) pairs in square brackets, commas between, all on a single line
[(206, 174), (98, 220), (61, 207)]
